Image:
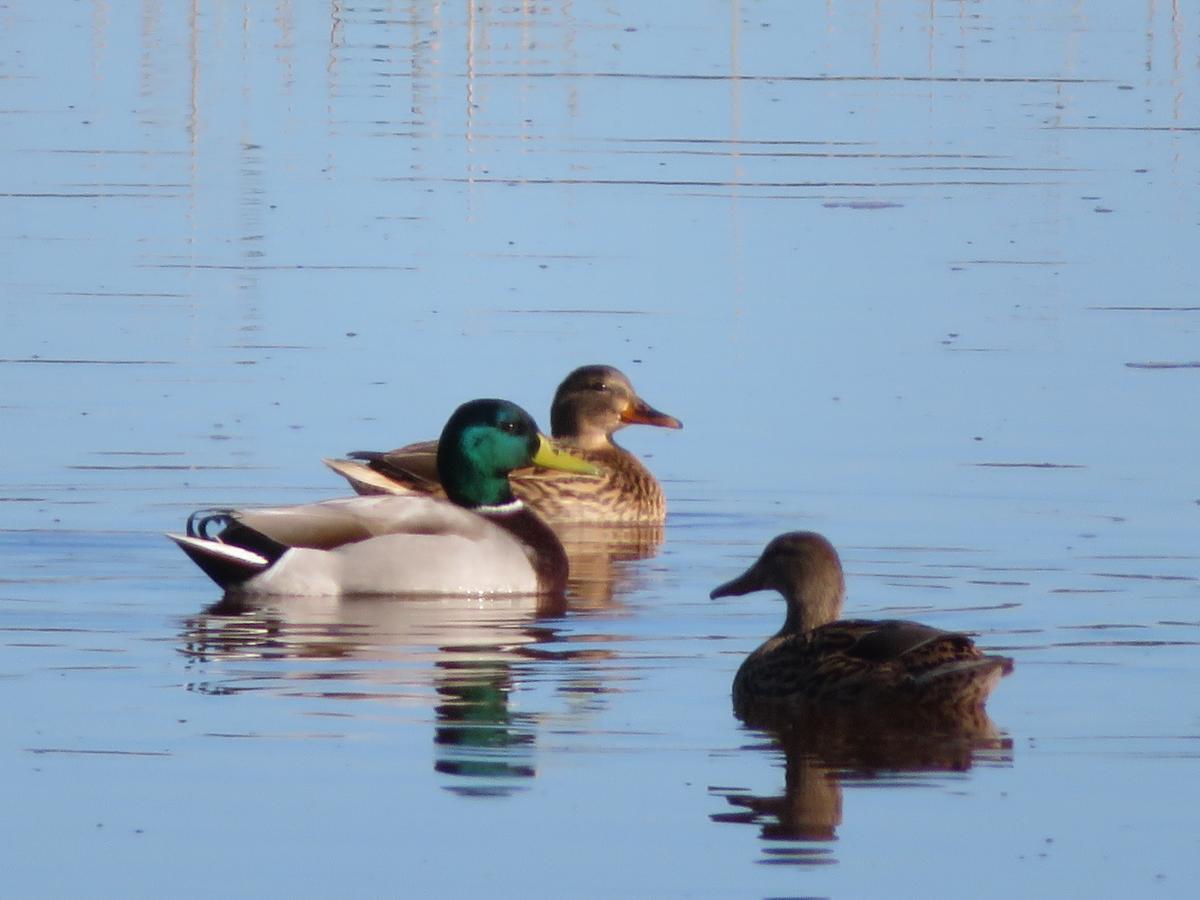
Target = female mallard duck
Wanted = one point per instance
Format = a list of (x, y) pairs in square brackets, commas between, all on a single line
[(483, 542), (590, 404), (816, 659)]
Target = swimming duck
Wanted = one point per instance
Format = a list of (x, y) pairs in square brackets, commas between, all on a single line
[(818, 659), (483, 541), (590, 404)]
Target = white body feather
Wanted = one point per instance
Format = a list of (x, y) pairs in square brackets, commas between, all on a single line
[(381, 545)]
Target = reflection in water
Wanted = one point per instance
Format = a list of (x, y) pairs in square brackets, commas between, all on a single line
[(599, 557), (474, 645), (373, 628), (477, 735), (827, 749)]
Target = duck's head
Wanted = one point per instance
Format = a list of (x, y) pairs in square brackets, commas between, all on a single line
[(594, 401), (485, 440), (804, 567)]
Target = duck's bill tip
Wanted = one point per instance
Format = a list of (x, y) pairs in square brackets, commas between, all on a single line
[(746, 583), (642, 413), (724, 590), (550, 457)]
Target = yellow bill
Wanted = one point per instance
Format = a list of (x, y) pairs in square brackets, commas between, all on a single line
[(550, 457)]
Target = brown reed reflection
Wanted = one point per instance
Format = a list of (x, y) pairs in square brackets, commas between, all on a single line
[(825, 749)]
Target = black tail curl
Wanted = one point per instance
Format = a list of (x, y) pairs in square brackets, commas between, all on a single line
[(221, 526), (199, 523)]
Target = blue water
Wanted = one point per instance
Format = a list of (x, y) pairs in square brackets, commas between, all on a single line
[(921, 277)]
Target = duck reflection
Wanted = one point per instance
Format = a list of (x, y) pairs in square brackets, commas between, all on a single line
[(477, 735), (600, 557), (826, 749), (370, 628), (470, 651)]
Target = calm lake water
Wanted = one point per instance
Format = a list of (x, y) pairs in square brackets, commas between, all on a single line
[(922, 277)]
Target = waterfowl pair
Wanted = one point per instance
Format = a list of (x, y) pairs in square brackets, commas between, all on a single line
[(590, 405), (482, 540), (817, 658)]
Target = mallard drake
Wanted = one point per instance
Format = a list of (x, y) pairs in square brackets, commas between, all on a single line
[(485, 541), (817, 658), (590, 404)]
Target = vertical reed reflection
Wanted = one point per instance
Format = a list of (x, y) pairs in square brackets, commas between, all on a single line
[(1178, 65)]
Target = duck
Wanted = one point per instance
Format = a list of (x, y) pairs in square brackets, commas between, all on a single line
[(480, 540), (819, 660), (592, 403)]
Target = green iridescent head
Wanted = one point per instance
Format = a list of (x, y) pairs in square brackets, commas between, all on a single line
[(484, 441)]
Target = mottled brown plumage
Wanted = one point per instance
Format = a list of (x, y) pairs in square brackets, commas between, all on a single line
[(589, 406), (818, 659), (625, 493)]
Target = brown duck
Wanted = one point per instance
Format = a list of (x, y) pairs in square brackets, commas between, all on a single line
[(590, 405), (817, 659)]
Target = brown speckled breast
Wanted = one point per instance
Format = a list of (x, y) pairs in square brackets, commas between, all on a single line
[(625, 493)]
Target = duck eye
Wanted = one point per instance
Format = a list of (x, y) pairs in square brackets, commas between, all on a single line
[(510, 427), (599, 386)]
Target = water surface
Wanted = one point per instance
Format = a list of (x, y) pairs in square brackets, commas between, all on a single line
[(921, 278)]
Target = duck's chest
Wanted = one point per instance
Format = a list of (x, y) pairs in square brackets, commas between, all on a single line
[(624, 493)]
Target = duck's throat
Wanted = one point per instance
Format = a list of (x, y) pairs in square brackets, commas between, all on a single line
[(806, 612)]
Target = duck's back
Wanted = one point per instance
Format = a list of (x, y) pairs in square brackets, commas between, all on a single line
[(624, 492), (390, 544), (860, 661)]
